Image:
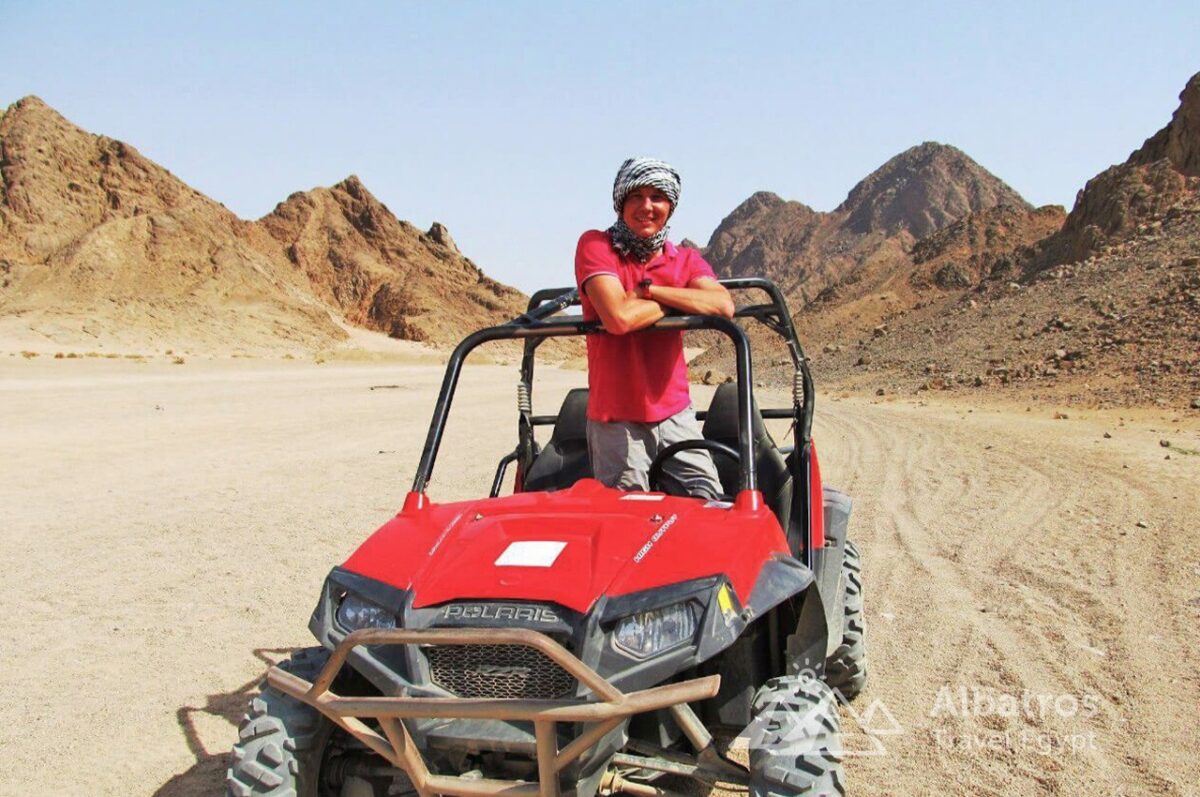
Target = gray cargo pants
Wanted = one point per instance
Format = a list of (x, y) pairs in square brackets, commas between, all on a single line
[(621, 453)]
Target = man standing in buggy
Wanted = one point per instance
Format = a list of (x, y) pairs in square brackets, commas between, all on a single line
[(628, 276)]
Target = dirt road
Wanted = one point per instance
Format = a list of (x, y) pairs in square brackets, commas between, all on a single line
[(167, 528), (1028, 634)]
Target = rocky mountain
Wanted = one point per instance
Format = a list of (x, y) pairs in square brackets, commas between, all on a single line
[(1178, 142), (865, 241), (1098, 307), (382, 273), (980, 245), (1119, 328), (101, 247), (922, 190), (1130, 197), (60, 182), (761, 236)]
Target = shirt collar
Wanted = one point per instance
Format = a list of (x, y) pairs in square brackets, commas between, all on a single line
[(668, 254)]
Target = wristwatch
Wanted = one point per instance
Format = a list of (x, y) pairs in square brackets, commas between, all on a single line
[(643, 288)]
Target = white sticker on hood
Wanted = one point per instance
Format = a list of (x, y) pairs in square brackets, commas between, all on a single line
[(530, 553), (641, 497)]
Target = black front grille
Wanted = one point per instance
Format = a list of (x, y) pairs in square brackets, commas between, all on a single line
[(498, 671)]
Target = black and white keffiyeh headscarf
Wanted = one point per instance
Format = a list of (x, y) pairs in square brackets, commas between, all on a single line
[(635, 173)]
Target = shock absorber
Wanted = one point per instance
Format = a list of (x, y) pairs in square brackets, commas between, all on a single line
[(524, 403)]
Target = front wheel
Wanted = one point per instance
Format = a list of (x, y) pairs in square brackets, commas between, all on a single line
[(287, 748), (795, 739), (281, 740)]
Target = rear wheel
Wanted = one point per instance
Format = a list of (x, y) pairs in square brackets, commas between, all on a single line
[(795, 740), (846, 667)]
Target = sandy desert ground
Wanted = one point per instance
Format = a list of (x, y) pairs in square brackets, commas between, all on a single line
[(167, 528)]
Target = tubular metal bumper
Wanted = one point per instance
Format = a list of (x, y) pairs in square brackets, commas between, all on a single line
[(601, 715)]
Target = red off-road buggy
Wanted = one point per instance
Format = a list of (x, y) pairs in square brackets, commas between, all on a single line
[(571, 638)]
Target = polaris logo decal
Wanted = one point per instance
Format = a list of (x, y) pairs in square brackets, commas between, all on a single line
[(498, 670), (655, 537), (499, 611)]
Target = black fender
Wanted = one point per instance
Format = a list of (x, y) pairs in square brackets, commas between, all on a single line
[(782, 577), (818, 629), (808, 646), (827, 564), (757, 653)]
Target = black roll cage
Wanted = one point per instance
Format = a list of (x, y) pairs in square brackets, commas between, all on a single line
[(534, 326)]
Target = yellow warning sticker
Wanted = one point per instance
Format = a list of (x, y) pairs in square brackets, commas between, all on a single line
[(724, 599)]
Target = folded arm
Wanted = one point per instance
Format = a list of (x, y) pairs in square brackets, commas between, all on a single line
[(620, 311), (702, 296)]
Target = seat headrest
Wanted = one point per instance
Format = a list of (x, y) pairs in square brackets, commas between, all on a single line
[(721, 423), (571, 426)]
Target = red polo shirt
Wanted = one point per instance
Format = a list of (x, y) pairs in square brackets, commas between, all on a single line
[(641, 376)]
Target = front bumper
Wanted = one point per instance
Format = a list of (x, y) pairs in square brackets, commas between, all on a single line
[(603, 709)]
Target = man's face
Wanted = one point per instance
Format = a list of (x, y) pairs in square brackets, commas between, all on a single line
[(646, 211)]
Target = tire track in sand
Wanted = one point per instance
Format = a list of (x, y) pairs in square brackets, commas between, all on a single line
[(989, 567)]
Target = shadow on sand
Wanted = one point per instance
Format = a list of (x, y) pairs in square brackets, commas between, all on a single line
[(206, 778)]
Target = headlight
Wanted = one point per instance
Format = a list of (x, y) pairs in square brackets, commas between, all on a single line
[(356, 613), (649, 633)]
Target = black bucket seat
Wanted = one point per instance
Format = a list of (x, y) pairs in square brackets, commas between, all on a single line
[(774, 478), (564, 460)]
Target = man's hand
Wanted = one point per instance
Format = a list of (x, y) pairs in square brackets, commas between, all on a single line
[(620, 311), (702, 296)]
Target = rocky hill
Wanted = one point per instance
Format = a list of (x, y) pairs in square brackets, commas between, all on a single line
[(1101, 306), (102, 248), (900, 236), (1120, 327), (1136, 195), (863, 243), (922, 190), (981, 245), (382, 273)]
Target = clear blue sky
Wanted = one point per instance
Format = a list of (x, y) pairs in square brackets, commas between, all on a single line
[(506, 120)]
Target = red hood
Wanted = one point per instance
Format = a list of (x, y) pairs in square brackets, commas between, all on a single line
[(595, 541)]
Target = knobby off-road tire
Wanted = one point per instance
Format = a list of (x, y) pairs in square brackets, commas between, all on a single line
[(846, 667), (281, 740), (795, 739)]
